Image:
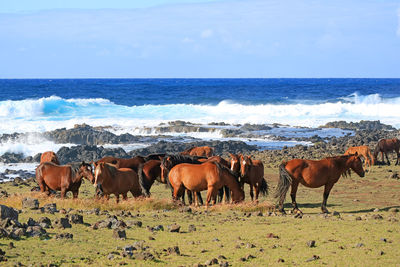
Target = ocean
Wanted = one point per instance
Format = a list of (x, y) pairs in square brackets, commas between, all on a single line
[(136, 106)]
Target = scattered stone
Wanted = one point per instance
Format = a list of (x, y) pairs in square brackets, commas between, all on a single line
[(249, 245), (35, 231), (151, 238), (174, 228), (67, 236), (377, 217), (358, 218), (110, 256), (119, 234), (62, 211), (186, 209), (376, 210), (30, 203), (2, 255), (49, 208), (224, 264), (192, 228), (311, 243), (381, 253), (144, 255), (8, 213), (298, 215), (394, 209), (281, 260), (31, 222), (313, 258), (62, 223), (215, 240), (384, 240), (158, 228), (134, 223), (271, 235), (211, 262), (76, 218), (11, 245), (44, 222), (335, 213), (3, 194), (359, 245), (173, 250)]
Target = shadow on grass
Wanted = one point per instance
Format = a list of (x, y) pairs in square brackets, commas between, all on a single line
[(371, 210)]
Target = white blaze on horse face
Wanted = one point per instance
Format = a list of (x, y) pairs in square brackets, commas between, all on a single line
[(96, 174)]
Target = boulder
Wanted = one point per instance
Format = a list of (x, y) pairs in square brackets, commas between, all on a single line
[(8, 212), (30, 203)]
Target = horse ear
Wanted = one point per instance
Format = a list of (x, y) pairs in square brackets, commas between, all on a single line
[(356, 154)]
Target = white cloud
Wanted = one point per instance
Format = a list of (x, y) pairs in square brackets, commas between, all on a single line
[(207, 33)]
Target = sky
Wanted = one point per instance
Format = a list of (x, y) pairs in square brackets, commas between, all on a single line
[(200, 39)]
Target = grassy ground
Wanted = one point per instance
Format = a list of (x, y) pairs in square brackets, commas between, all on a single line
[(353, 238)]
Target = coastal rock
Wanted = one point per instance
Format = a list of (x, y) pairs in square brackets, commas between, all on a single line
[(8, 213)]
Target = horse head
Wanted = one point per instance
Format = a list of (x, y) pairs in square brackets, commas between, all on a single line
[(235, 163), (356, 165), (165, 166), (98, 174), (245, 163), (85, 170), (237, 196)]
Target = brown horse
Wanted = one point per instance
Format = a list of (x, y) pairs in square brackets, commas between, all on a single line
[(385, 146), (224, 192), (49, 156), (200, 151), (252, 173), (362, 151), (132, 163), (62, 178), (168, 162), (116, 181), (148, 172), (210, 176), (313, 174)]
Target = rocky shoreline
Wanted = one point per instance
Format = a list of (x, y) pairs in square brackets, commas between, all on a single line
[(90, 141)]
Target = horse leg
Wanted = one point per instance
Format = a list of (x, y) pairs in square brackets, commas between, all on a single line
[(200, 198), (251, 192), (227, 194), (257, 190), (196, 200), (398, 155), (117, 198), (387, 158), (63, 191), (327, 190), (125, 196), (75, 194), (293, 192), (190, 197)]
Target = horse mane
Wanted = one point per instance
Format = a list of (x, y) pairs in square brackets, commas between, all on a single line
[(189, 149), (223, 168), (178, 158), (111, 168)]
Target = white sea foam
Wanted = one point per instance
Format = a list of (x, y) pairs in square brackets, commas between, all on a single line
[(30, 145)]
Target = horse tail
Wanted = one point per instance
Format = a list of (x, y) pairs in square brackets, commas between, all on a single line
[(264, 187), (143, 181), (285, 180)]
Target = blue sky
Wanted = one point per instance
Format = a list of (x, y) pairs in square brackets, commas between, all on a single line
[(194, 38)]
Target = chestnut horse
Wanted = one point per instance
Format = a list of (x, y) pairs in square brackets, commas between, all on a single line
[(49, 156), (200, 151), (210, 176), (168, 162), (132, 163), (62, 178), (385, 146), (313, 174), (363, 151), (148, 172), (111, 180), (252, 173), (224, 192)]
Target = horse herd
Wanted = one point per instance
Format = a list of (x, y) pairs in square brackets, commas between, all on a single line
[(198, 169)]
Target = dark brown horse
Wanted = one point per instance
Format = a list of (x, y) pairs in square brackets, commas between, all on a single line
[(49, 156), (132, 163), (62, 178), (116, 181), (168, 162), (148, 172), (313, 174), (210, 176), (362, 151), (387, 145), (252, 173), (200, 151)]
